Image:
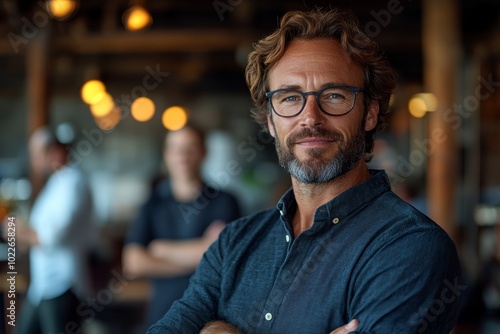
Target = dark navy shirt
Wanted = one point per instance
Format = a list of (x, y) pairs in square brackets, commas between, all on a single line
[(368, 255), (163, 217)]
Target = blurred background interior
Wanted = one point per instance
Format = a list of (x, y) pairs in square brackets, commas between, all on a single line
[(441, 147)]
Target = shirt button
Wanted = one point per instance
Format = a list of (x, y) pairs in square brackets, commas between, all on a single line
[(335, 220), (287, 238), (268, 316)]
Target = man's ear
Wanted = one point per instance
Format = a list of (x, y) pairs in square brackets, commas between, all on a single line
[(372, 116), (270, 126)]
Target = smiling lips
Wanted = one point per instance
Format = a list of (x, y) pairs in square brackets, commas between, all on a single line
[(315, 141), (314, 137)]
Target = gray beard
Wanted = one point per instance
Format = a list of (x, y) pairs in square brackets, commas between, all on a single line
[(315, 170)]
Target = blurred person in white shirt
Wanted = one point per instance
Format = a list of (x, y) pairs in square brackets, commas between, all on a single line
[(58, 236)]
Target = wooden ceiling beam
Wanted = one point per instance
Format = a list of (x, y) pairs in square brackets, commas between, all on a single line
[(180, 40), (153, 42), (183, 41)]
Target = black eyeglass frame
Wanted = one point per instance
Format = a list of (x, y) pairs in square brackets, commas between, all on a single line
[(304, 95)]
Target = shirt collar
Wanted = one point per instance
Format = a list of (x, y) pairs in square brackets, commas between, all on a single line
[(164, 189), (344, 204)]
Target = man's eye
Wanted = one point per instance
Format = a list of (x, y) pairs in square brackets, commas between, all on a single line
[(334, 96), (290, 97)]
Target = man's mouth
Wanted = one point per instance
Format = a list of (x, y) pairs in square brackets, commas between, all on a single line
[(314, 141)]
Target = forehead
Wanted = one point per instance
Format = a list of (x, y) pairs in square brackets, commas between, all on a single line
[(182, 137), (315, 62)]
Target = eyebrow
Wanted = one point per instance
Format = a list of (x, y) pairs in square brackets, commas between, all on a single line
[(325, 85), (294, 87)]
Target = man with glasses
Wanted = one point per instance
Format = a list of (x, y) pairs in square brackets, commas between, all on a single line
[(340, 252)]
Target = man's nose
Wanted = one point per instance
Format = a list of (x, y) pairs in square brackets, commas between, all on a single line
[(311, 115)]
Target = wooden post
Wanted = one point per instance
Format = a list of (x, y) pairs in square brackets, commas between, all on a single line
[(37, 60), (441, 48), (37, 65)]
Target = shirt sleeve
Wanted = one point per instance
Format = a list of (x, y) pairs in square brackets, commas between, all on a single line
[(234, 211), (199, 304), (139, 231), (393, 294)]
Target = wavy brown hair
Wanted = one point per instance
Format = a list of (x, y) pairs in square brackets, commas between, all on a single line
[(379, 77)]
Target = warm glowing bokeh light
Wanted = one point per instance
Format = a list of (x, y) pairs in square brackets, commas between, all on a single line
[(430, 101), (417, 107), (137, 18), (103, 106), (142, 109), (422, 103), (109, 121), (174, 118), (61, 9), (90, 91)]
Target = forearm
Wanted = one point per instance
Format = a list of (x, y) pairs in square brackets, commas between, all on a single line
[(181, 253), (138, 262), (186, 252)]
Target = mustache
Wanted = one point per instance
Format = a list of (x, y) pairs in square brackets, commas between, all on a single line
[(330, 135)]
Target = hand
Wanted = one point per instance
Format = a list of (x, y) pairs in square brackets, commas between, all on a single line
[(351, 326), (25, 235), (219, 327)]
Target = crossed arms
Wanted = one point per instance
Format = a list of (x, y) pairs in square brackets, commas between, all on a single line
[(163, 258)]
